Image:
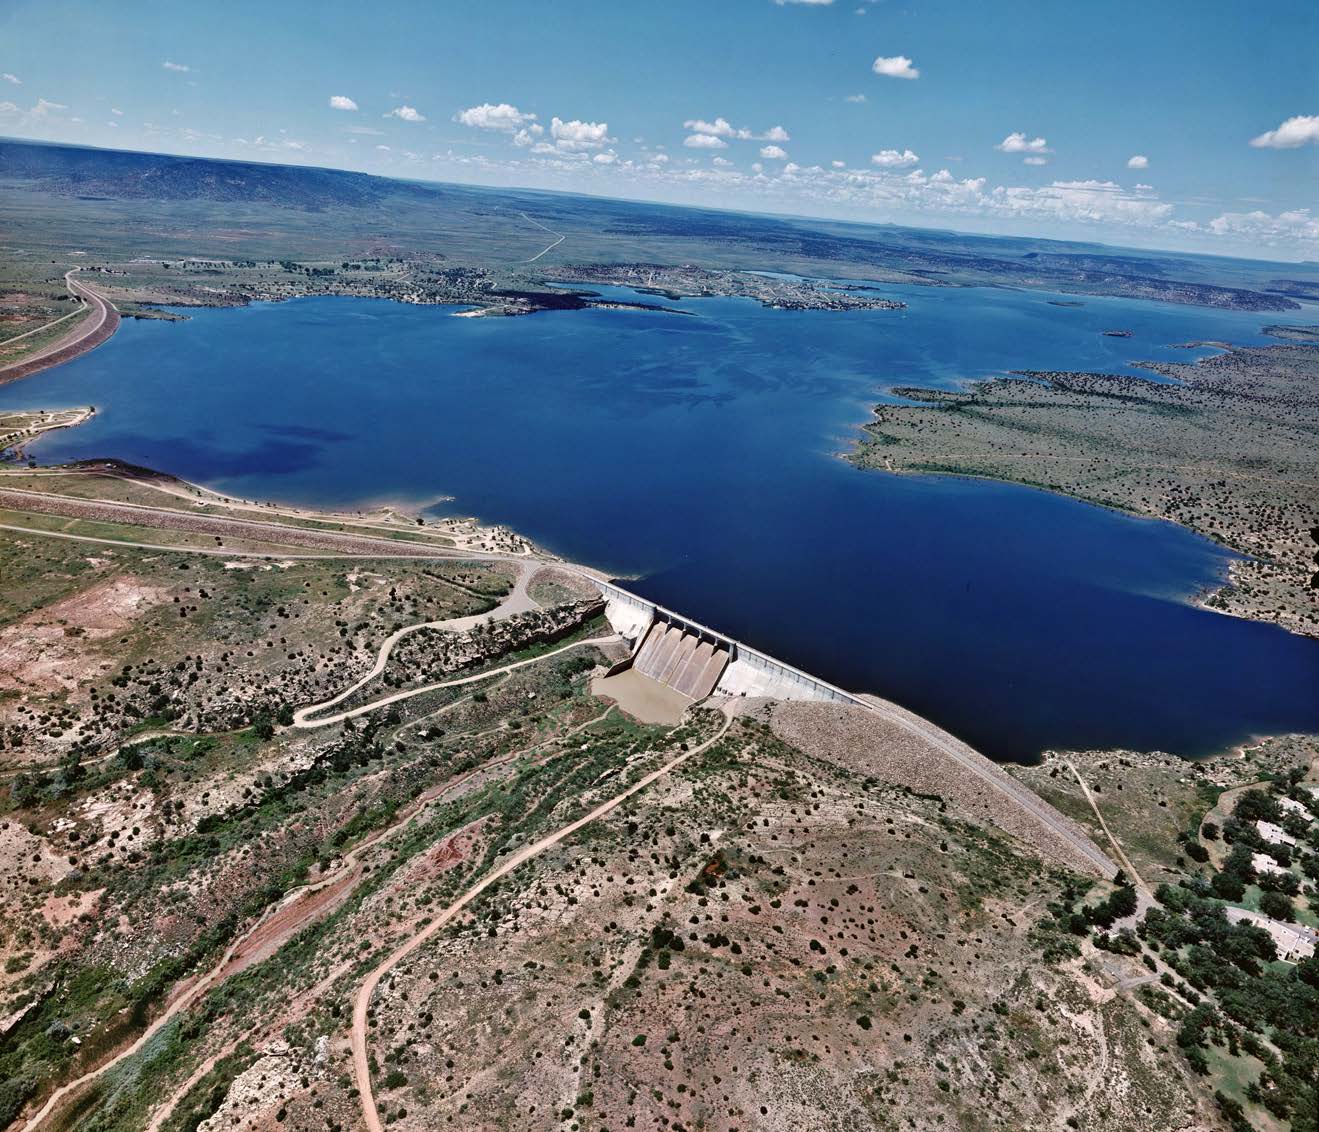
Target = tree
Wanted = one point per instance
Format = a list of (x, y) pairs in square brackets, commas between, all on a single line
[(1277, 905)]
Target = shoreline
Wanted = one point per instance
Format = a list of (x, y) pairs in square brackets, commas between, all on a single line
[(1136, 446)]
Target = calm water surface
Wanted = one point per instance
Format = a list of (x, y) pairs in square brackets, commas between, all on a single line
[(698, 453)]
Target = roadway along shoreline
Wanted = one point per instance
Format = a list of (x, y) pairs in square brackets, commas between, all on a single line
[(161, 518), (87, 335)]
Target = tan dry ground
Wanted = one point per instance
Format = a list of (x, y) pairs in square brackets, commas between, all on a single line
[(43, 652), (853, 957)]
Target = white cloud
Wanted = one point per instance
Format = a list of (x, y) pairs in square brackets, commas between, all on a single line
[(658, 158), (113, 125), (1033, 160), (116, 112), (855, 98), (1017, 143), (776, 134), (839, 164), (8, 107), (1260, 227), (383, 148), (704, 141), (342, 102), (1294, 132), (10, 78), (175, 66), (406, 114), (1138, 161), (895, 67), (370, 131), (808, 3), (773, 153), (605, 158), (575, 136), (893, 159), (721, 162), (491, 116), (43, 107), (528, 135), (719, 128)]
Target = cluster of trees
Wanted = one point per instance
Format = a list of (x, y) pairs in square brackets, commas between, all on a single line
[(1270, 1010)]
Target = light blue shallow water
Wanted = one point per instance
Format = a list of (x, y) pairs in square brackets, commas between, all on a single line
[(700, 454)]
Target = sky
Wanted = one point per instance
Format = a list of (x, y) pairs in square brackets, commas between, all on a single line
[(1182, 124)]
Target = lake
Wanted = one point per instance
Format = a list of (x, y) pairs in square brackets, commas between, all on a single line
[(698, 455)]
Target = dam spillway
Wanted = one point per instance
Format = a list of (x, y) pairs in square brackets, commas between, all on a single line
[(697, 661), (681, 658)]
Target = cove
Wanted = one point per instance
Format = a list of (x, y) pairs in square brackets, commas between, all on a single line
[(698, 455)]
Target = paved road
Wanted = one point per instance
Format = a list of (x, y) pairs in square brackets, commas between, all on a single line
[(361, 1056), (300, 716), (164, 518), (517, 601), (91, 332), (551, 231)]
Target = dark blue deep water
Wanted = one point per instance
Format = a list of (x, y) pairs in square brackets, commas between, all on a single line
[(699, 454)]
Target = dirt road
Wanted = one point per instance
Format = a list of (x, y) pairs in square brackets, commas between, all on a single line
[(361, 1056)]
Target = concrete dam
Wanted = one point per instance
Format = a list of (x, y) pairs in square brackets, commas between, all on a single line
[(697, 661)]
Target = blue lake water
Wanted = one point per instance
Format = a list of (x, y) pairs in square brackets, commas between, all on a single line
[(699, 454)]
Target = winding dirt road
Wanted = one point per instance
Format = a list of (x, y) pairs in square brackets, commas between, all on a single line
[(361, 1005), (517, 601), (86, 335)]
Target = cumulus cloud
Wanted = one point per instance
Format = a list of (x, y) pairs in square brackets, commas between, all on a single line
[(44, 107), (773, 153), (605, 158), (895, 67), (342, 102), (491, 116), (776, 134), (704, 141), (839, 164), (406, 114), (10, 78), (1297, 131), (579, 135), (1138, 161), (1286, 227), (528, 134), (719, 128), (8, 107), (1017, 143), (894, 159), (180, 67)]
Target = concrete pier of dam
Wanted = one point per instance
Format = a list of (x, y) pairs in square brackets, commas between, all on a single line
[(698, 661), (675, 661)]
